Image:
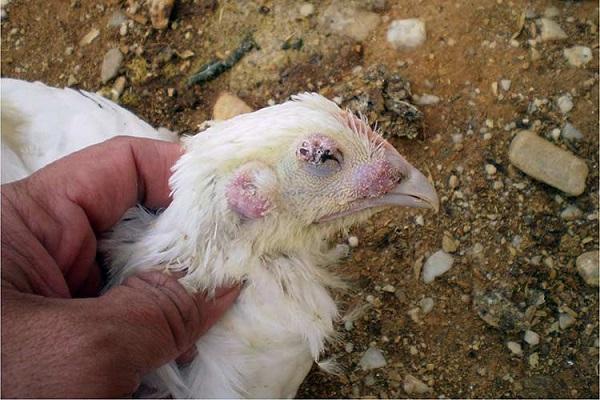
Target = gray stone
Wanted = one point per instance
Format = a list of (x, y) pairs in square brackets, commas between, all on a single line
[(548, 163), (406, 33), (531, 338), (505, 84), (569, 132), (437, 264), (412, 385), (514, 348), (571, 213), (550, 30), (578, 56), (372, 359), (565, 321), (564, 103), (426, 305), (587, 266), (111, 64), (348, 21)]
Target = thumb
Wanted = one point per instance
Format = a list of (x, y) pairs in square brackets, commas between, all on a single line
[(156, 319)]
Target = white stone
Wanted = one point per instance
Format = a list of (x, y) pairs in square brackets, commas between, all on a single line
[(453, 182), (565, 320), (372, 359), (490, 169), (412, 385), (426, 305), (531, 338), (505, 84), (437, 264), (110, 64), (569, 132), (548, 163), (419, 220), (307, 9), (406, 33), (228, 106), (550, 30), (514, 348), (578, 56), (352, 241), (89, 37), (389, 288), (426, 99), (551, 12), (564, 103), (571, 213), (555, 134), (587, 266)]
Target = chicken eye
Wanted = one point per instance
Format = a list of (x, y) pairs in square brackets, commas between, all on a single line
[(319, 155)]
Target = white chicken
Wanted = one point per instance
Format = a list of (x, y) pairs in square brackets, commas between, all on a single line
[(255, 199)]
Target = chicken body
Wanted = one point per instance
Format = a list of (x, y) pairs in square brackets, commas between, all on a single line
[(255, 199)]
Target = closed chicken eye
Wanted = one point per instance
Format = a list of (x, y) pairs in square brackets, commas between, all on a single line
[(319, 155)]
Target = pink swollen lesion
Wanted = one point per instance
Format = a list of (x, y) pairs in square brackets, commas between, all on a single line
[(375, 179), (244, 197)]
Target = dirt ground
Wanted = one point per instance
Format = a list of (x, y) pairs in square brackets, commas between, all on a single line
[(514, 255)]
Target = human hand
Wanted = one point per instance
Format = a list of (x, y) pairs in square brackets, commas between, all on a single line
[(56, 344)]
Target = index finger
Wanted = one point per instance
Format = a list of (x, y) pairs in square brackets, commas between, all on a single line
[(108, 178)]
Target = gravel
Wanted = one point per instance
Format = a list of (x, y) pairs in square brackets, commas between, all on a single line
[(550, 30), (406, 33), (569, 132), (412, 385), (548, 163), (110, 64), (564, 103), (571, 213), (532, 338), (587, 267), (578, 56), (514, 348)]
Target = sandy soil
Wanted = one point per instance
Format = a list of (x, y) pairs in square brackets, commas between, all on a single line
[(511, 242)]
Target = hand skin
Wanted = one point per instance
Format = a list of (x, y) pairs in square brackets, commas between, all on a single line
[(57, 341)]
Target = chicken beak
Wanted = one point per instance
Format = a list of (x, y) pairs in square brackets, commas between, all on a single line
[(414, 190)]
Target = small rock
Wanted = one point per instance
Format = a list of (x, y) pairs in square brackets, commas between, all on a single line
[(550, 30), (389, 288), (307, 10), (564, 103), (123, 29), (548, 163), (569, 132), (72, 81), (437, 264), (118, 87), (571, 213), (426, 99), (349, 347), (555, 134), (348, 21), (578, 56), (490, 169), (228, 106), (587, 266), (89, 37), (372, 359), (531, 338), (69, 50), (352, 241), (534, 360), (514, 348), (116, 19), (505, 84), (111, 64), (565, 321), (413, 385), (406, 33), (449, 245), (426, 305), (369, 380), (419, 220), (551, 12), (453, 182), (160, 12)]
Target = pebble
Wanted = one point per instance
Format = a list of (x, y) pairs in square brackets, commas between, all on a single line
[(348, 21), (571, 213), (550, 30), (228, 106), (349, 347), (118, 87), (426, 99), (160, 11), (490, 169), (555, 134), (551, 12), (307, 10), (587, 267), (406, 33), (117, 18), (531, 338), (110, 64), (426, 305), (565, 320), (548, 163), (514, 348), (578, 56), (437, 264), (352, 241), (412, 385), (449, 245), (123, 29), (372, 359), (534, 360), (72, 81), (453, 182), (505, 84), (569, 132), (419, 220), (564, 103), (89, 37)]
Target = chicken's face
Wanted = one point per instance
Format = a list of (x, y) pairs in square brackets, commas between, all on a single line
[(338, 173)]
